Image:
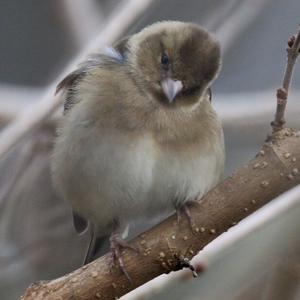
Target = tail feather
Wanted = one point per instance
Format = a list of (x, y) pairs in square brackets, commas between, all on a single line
[(97, 247)]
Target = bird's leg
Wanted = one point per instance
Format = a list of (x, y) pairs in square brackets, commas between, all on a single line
[(184, 209), (116, 245)]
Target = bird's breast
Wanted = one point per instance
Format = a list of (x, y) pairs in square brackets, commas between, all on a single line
[(127, 177), (180, 175)]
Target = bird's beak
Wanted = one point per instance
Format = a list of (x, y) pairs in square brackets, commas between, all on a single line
[(171, 88)]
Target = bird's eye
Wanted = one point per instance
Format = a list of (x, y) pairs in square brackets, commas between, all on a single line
[(165, 60)]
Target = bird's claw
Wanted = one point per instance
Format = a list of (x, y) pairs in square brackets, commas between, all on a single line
[(116, 245), (185, 210)]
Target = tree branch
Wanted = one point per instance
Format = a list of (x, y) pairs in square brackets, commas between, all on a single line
[(273, 171)]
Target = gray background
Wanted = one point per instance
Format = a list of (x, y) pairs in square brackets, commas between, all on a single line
[(37, 39)]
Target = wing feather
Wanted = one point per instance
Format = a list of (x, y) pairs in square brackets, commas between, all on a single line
[(110, 55)]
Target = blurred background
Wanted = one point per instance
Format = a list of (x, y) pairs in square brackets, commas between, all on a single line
[(38, 39)]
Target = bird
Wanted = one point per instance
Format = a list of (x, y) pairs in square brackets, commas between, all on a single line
[(139, 136)]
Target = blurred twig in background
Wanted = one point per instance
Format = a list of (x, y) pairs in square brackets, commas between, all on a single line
[(237, 20), (89, 15)]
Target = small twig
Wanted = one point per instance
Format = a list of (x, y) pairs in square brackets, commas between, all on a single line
[(293, 51), (83, 19), (237, 21)]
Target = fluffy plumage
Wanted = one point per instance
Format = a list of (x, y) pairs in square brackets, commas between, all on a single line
[(129, 147)]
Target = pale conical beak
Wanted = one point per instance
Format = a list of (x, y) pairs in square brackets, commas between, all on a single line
[(171, 88)]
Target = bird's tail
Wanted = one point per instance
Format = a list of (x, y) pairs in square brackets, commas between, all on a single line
[(97, 246)]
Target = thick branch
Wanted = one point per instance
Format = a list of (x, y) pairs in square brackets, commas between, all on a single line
[(282, 93), (274, 170)]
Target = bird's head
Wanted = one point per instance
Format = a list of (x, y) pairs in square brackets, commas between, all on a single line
[(175, 61)]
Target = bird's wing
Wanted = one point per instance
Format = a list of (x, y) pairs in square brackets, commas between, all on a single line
[(98, 244), (109, 55), (80, 223), (116, 54), (122, 45)]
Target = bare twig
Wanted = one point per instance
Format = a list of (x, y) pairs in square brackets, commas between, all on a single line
[(36, 114), (237, 21), (282, 93), (14, 98), (84, 18)]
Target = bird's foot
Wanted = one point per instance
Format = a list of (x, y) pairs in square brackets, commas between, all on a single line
[(116, 245), (184, 209)]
